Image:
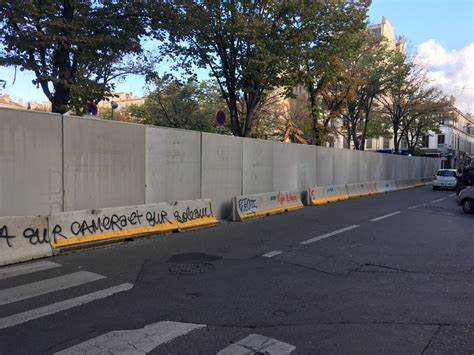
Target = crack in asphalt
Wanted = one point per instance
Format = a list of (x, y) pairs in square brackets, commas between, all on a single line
[(431, 339), (360, 266)]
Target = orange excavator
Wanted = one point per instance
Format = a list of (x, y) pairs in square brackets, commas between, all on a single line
[(293, 134)]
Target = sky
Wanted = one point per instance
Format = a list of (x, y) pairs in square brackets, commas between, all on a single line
[(440, 31)]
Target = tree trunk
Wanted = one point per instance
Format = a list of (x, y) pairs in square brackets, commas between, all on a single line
[(60, 99), (355, 139), (314, 114), (366, 123), (396, 143), (248, 121)]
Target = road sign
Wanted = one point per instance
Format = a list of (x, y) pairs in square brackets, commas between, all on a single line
[(91, 108), (220, 118)]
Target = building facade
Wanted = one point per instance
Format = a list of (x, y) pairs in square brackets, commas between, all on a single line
[(455, 143)]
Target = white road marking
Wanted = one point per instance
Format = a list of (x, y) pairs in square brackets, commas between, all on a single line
[(439, 200), (43, 287), (135, 341), (36, 313), (327, 235), (258, 344), (416, 206), (385, 216), (452, 195), (22, 269), (272, 254)]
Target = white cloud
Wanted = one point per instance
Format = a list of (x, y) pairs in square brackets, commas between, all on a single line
[(451, 70)]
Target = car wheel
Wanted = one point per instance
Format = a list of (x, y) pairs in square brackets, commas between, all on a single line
[(468, 206)]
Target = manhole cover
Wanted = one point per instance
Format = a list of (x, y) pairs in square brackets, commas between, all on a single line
[(191, 268)]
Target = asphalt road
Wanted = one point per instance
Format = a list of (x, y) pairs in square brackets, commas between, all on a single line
[(386, 274)]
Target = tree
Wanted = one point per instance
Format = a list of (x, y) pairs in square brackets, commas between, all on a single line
[(423, 124), (75, 48), (188, 105), (276, 111), (408, 97), (364, 80), (334, 36), (245, 45)]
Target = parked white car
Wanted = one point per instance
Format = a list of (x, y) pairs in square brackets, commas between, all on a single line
[(445, 178)]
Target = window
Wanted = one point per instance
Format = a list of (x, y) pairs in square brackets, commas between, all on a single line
[(386, 143), (425, 141), (369, 143), (446, 173), (440, 138)]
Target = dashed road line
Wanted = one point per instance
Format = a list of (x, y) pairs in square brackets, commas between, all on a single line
[(416, 206), (36, 313), (134, 341), (452, 195), (272, 254), (438, 200), (384, 216), (257, 344), (327, 235), (17, 270), (23, 292)]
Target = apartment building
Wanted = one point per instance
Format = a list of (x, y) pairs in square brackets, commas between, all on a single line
[(455, 143)]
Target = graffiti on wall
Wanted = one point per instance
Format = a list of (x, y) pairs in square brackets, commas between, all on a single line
[(284, 198), (110, 222), (247, 205), (35, 236)]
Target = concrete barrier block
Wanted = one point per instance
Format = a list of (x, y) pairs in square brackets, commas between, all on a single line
[(318, 195), (361, 189), (404, 184), (418, 182), (193, 214), (257, 205), (427, 180), (92, 226), (23, 238), (385, 186)]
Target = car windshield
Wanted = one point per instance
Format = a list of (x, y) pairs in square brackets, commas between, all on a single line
[(446, 173)]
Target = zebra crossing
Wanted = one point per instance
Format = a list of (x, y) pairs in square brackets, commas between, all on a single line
[(129, 341), (149, 338), (47, 286)]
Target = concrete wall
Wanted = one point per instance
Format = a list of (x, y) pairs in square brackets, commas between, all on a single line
[(173, 165), (104, 164), (257, 166), (30, 163), (324, 166), (221, 171)]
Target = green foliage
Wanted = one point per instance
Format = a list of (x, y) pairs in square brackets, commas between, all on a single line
[(75, 48), (188, 105), (410, 101), (364, 79), (246, 45), (334, 37)]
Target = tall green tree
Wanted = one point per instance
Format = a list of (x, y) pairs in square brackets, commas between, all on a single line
[(188, 105), (366, 79), (422, 125), (74, 47), (408, 97), (245, 44), (335, 36)]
